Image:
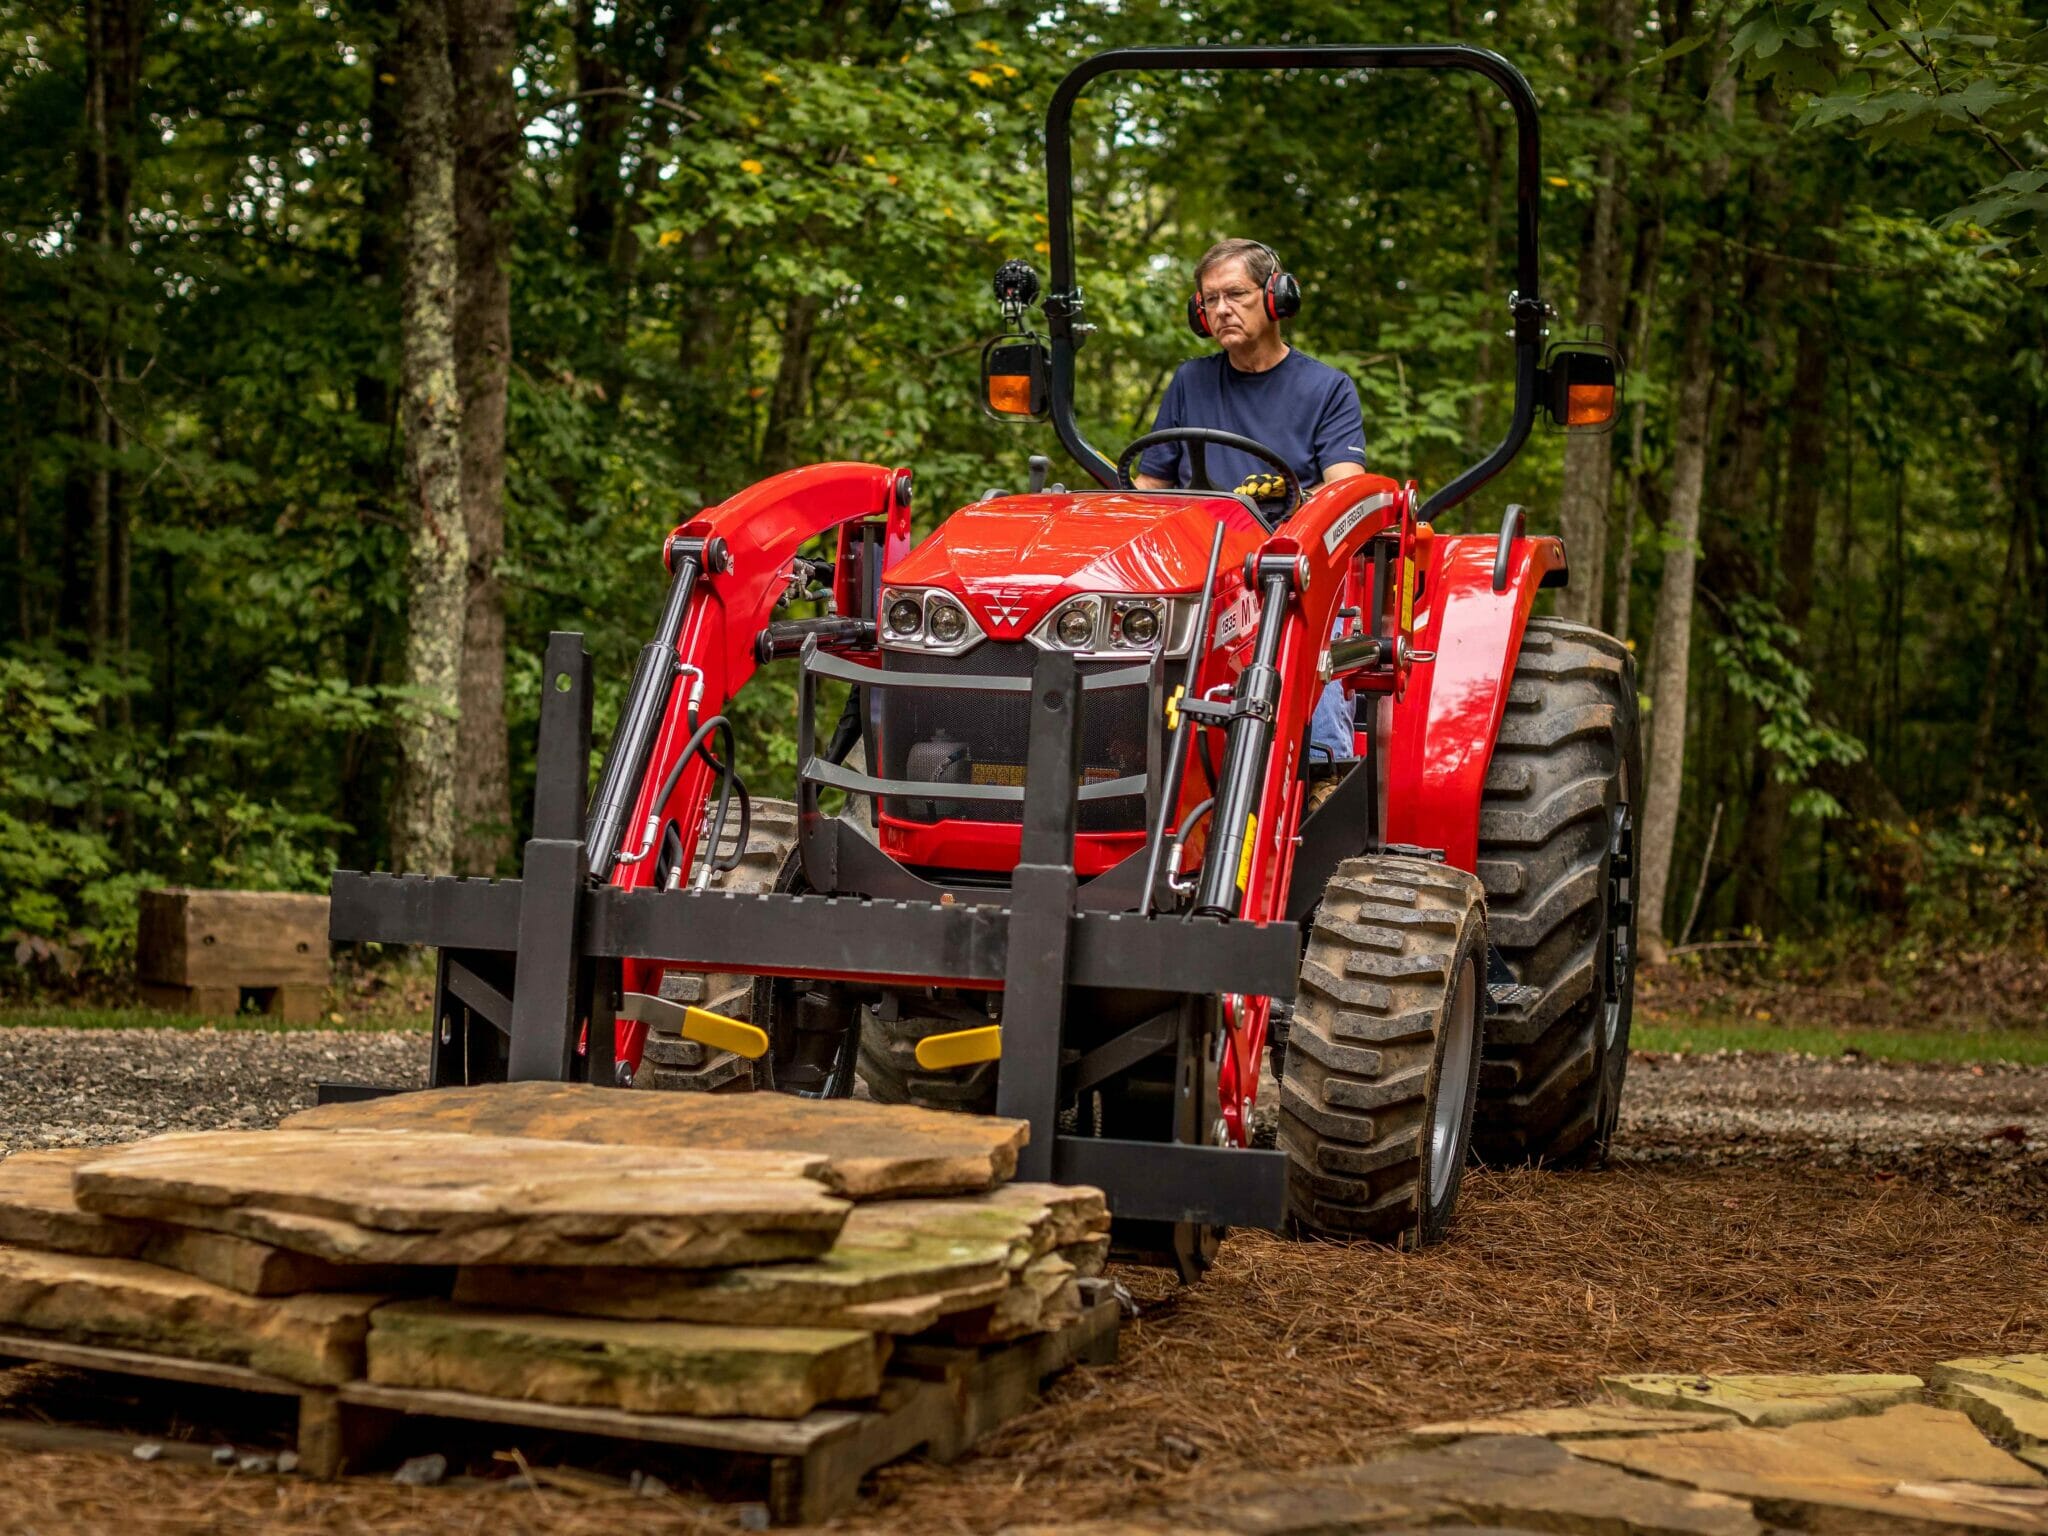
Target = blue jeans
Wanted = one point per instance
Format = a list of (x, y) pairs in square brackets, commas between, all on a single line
[(1330, 729)]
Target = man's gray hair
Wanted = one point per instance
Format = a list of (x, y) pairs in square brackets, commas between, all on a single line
[(1258, 261)]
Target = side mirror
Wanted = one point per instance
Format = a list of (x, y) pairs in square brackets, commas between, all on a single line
[(1582, 385), (1016, 379)]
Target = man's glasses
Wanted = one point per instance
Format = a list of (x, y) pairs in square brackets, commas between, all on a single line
[(1236, 298)]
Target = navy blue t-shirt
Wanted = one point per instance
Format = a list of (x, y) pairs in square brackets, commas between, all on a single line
[(1305, 411)]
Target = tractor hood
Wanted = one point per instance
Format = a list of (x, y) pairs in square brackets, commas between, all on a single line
[(1012, 559)]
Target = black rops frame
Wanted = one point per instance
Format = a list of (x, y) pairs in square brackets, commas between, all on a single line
[(1063, 301)]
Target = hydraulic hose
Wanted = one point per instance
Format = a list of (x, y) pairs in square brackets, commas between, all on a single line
[(728, 782)]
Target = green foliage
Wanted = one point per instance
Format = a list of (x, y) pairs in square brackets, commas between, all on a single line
[(1984, 876), (768, 242), (1757, 653), (92, 814), (1979, 70)]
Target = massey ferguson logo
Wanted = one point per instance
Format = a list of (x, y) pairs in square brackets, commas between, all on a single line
[(1007, 606)]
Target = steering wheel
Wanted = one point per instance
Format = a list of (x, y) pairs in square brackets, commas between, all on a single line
[(1198, 440)]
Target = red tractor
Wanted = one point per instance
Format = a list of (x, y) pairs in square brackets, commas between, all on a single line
[(1088, 874)]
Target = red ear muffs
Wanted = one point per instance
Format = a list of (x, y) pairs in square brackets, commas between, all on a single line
[(1198, 315), (1283, 296)]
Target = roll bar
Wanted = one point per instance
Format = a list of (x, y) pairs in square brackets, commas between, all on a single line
[(1063, 302)]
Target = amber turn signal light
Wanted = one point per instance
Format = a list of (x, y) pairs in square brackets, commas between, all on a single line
[(1010, 393), (1589, 405)]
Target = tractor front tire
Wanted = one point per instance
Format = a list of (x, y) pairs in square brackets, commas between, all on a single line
[(1556, 852), (671, 1062), (1383, 1051)]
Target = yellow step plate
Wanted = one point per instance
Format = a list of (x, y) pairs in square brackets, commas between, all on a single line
[(961, 1048), (721, 1033)]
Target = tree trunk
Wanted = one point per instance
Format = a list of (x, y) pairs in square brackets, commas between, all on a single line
[(423, 827), (1583, 500), (1671, 661), (1642, 305), (1806, 450), (792, 381), (481, 51), (2001, 640), (24, 508), (96, 217)]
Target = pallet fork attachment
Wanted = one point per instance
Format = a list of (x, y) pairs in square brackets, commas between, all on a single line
[(528, 982)]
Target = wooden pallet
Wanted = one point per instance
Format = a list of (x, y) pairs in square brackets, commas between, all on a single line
[(937, 1398)]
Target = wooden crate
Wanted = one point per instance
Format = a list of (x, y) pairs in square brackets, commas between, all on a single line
[(940, 1401), (218, 953)]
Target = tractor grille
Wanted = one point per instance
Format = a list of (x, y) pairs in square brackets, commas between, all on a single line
[(942, 736)]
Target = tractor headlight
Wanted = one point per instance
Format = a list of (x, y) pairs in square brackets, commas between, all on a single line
[(946, 620), (1137, 623), (928, 620), (1109, 624), (906, 617), (1075, 626)]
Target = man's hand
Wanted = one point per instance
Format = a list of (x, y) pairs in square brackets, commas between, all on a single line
[(1262, 487)]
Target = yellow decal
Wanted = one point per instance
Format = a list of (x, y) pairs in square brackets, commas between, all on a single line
[(1407, 597), (1173, 708), (1244, 859), (961, 1048), (721, 1033)]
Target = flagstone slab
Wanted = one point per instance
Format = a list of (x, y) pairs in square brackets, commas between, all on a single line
[(642, 1367), (436, 1198), (1578, 1423), (94, 1300), (868, 1151), (934, 1256), (1865, 1462), (38, 1210), (1496, 1483), (2024, 1374), (1768, 1399), (2009, 1415)]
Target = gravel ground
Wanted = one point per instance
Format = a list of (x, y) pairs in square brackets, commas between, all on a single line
[(75, 1087), (1977, 1130), (1966, 1125)]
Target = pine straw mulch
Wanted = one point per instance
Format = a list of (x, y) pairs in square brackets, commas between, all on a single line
[(1288, 1355)]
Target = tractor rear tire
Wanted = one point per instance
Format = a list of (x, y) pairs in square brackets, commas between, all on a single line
[(1556, 853), (888, 1065), (1383, 1051), (671, 1062)]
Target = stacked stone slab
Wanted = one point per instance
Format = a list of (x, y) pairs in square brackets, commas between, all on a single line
[(746, 1256)]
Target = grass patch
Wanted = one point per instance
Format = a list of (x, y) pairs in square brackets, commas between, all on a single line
[(35, 1016), (1700, 1035)]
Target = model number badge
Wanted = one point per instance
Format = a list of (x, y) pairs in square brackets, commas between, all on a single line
[(1235, 619)]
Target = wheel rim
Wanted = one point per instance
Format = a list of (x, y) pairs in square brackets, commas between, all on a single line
[(1621, 909), (1448, 1122)]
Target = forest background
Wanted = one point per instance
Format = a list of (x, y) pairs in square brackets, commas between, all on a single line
[(349, 348)]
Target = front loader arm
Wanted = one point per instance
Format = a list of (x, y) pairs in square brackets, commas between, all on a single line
[(1301, 577), (730, 568)]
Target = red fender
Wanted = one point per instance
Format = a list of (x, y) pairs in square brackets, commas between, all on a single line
[(1447, 718)]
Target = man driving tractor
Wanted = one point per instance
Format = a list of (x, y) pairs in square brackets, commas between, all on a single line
[(1261, 388)]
